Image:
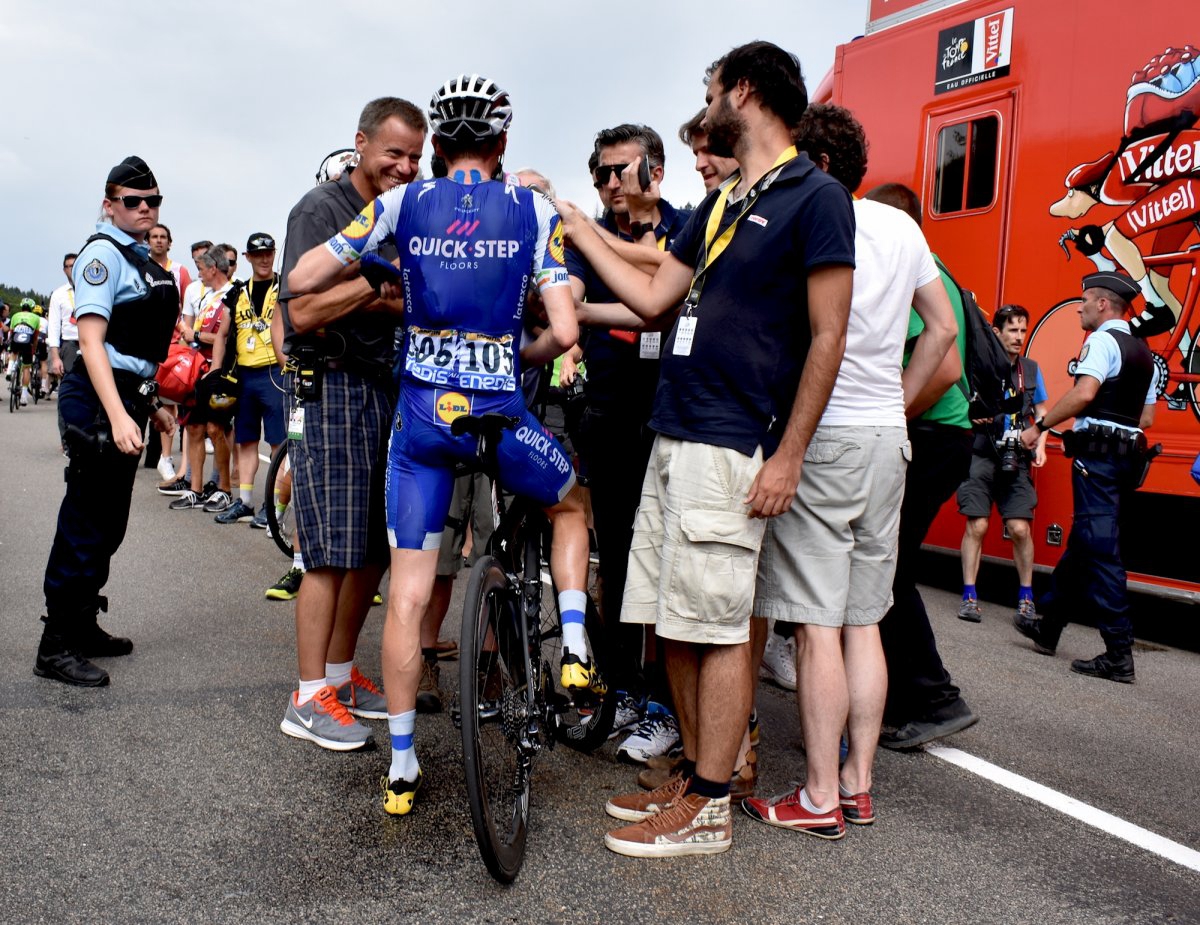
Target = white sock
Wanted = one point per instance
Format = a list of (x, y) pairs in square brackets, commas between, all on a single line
[(807, 803), (338, 674), (404, 755), (246, 494), (297, 560), (308, 690), (572, 607)]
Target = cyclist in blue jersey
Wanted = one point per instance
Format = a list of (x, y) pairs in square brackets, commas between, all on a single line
[(470, 246)]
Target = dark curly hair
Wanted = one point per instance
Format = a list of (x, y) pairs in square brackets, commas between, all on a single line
[(774, 74), (834, 132)]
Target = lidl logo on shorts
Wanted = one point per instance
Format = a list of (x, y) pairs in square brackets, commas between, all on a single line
[(450, 405), (362, 224)]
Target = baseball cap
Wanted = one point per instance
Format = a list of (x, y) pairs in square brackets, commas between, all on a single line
[(258, 242)]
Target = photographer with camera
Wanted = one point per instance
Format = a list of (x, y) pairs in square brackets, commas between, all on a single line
[(1000, 468)]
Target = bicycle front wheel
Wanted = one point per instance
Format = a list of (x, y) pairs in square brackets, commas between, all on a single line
[(493, 677), (280, 523)]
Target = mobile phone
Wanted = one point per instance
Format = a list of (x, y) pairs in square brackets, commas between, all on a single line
[(644, 173)]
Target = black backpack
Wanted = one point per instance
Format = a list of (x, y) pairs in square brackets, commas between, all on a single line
[(988, 369)]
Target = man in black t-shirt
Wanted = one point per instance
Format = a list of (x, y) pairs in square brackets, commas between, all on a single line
[(338, 464), (766, 266)]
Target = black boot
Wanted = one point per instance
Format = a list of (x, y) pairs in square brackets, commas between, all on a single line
[(1045, 636), (94, 642), (59, 660), (1112, 666)]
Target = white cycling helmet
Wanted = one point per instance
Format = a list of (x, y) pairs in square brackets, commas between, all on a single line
[(471, 103), (335, 164)]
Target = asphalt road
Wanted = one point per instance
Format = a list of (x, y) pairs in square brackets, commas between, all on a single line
[(172, 796)]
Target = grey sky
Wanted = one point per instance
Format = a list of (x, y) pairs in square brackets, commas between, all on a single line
[(233, 105)]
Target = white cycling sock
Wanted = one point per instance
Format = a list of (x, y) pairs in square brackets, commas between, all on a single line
[(571, 606), (338, 674), (297, 560), (404, 755), (308, 690)]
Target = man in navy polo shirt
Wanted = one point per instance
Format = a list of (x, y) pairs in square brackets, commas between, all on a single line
[(622, 374), (765, 266)]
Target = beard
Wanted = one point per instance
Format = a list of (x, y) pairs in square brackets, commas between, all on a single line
[(725, 129)]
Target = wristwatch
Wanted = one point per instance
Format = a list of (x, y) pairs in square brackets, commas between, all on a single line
[(1041, 425), (639, 229)]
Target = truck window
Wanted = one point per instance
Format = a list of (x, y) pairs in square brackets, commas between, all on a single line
[(967, 154)]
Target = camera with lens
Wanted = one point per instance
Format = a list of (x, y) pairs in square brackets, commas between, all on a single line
[(1010, 450)]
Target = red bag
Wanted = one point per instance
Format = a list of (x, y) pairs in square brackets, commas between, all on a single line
[(178, 374)]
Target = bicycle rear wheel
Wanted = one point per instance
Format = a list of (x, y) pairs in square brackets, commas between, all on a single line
[(280, 524), (14, 393), (493, 677)]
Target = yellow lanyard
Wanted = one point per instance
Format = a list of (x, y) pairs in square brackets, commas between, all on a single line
[(715, 248)]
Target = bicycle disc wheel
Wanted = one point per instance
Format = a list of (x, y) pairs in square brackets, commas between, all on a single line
[(280, 524), (583, 719), (492, 692)]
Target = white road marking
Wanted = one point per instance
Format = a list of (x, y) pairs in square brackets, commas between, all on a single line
[(1089, 815)]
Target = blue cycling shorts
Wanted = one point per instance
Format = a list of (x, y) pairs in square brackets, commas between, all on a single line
[(423, 452)]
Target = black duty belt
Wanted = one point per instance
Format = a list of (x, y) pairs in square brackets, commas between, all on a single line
[(1103, 441)]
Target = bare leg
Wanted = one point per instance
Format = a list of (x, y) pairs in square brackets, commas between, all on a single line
[(972, 547), (683, 673), (866, 681), (315, 606), (413, 572), (1022, 540), (195, 455), (723, 708), (435, 613), (353, 603), (220, 455), (569, 548), (824, 705)]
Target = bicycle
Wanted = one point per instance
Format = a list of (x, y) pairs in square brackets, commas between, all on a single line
[(510, 705), (279, 522), (1059, 328), (16, 370)]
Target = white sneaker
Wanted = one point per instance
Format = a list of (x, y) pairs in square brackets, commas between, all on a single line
[(166, 468), (656, 734), (779, 661)]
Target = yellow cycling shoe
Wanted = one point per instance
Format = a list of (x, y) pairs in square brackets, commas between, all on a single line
[(398, 795), (579, 675)]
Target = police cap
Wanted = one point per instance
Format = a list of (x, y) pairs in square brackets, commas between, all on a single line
[(134, 173), (1113, 281)]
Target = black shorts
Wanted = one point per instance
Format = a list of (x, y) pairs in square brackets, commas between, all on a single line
[(1013, 494)]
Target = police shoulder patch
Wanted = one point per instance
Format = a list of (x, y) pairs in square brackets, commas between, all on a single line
[(1083, 353), (95, 273)]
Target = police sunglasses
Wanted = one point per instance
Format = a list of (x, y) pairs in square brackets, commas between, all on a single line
[(605, 172), (132, 202)]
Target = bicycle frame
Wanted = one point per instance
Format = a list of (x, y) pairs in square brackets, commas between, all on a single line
[(1188, 302)]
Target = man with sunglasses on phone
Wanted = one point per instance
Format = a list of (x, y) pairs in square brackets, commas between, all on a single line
[(622, 375)]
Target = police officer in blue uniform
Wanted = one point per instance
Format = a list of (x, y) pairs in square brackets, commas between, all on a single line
[(1112, 403), (126, 306)]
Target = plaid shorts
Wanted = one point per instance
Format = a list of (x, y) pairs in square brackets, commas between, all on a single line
[(338, 471)]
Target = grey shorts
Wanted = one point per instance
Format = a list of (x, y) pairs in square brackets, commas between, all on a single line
[(830, 559), (337, 473), (694, 549), (471, 504), (1014, 494)]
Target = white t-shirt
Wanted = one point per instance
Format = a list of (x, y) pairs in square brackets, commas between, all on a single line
[(60, 316), (892, 261), (193, 297)]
